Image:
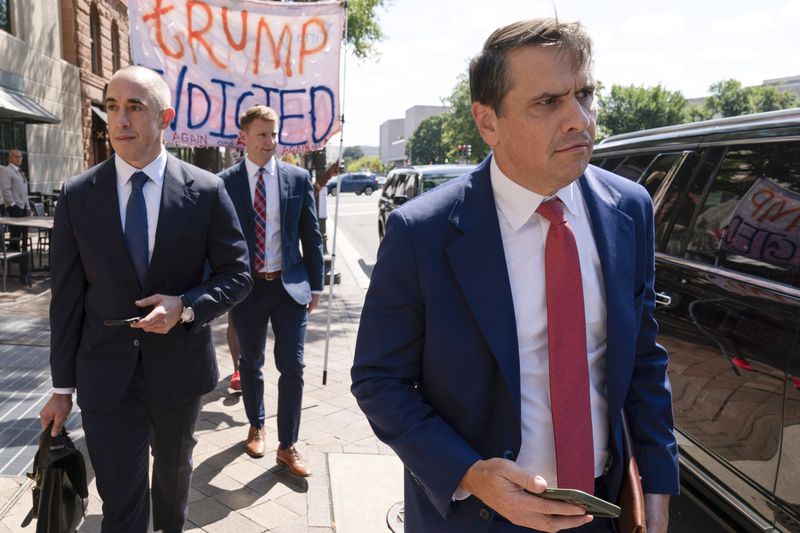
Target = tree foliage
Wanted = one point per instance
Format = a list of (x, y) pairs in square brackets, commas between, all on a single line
[(729, 99), (426, 145), (363, 27), (633, 108), (459, 126), (365, 163)]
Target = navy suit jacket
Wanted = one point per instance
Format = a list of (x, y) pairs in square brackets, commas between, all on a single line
[(300, 273), (437, 362), (93, 279)]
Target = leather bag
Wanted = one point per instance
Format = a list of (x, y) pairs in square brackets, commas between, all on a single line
[(631, 496), (60, 491)]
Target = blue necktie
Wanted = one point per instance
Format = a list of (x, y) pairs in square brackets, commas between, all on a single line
[(136, 225)]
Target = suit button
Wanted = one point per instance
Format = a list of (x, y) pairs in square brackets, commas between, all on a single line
[(136, 342), (484, 514), (508, 454)]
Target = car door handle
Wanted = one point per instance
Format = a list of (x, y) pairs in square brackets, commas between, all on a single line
[(663, 299)]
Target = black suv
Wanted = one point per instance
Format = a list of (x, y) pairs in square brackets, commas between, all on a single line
[(727, 209), (403, 184)]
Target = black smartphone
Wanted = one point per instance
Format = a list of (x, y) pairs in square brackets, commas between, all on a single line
[(121, 321), (594, 506)]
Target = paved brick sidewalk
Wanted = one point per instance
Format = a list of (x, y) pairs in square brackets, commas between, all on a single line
[(234, 493)]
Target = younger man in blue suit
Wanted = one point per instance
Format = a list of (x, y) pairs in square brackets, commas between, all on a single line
[(492, 374), (275, 205)]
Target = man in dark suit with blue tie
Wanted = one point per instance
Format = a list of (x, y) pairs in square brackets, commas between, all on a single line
[(132, 238), (275, 205), (509, 318)]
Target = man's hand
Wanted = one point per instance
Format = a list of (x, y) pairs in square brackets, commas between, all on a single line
[(56, 410), (313, 303), (501, 485), (656, 509), (165, 314)]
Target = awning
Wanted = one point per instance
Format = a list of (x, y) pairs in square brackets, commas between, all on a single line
[(100, 114), (15, 105)]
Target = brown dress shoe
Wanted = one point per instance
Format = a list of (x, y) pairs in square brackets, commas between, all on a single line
[(289, 458), (254, 445)]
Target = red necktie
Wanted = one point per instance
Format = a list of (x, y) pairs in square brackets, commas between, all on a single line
[(260, 221), (569, 365)]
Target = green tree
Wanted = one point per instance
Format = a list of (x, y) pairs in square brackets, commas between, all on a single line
[(365, 163), (353, 152), (459, 126), (426, 145), (633, 108), (729, 99), (363, 28)]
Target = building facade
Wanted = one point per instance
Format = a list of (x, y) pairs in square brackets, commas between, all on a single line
[(396, 132), (40, 104), (95, 39)]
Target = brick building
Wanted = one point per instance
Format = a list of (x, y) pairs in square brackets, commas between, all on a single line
[(94, 34)]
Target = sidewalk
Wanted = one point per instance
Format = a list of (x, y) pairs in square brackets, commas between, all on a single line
[(356, 480)]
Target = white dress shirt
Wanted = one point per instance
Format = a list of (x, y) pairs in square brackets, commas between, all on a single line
[(152, 199), (274, 253), (524, 233)]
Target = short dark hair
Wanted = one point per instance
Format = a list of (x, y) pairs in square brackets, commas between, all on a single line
[(256, 112), (488, 71)]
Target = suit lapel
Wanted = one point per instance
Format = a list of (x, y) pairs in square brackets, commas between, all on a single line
[(478, 262), (176, 194), (614, 239), (240, 195), (102, 204), (283, 186)]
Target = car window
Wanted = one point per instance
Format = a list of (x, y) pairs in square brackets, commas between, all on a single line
[(410, 189), (657, 171), (400, 187), (610, 163), (677, 200), (429, 181), (750, 217), (389, 186), (634, 166)]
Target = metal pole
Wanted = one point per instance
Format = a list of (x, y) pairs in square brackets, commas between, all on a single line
[(336, 210)]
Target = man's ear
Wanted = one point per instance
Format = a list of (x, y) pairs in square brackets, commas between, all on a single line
[(486, 121), (167, 115)]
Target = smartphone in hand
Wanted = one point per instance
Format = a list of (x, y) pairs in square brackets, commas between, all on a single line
[(594, 506), (122, 321)]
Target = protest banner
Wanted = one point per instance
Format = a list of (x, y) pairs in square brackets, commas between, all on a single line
[(220, 58)]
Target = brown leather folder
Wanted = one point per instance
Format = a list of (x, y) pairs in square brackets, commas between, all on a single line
[(631, 496)]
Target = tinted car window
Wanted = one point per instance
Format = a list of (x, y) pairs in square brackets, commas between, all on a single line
[(611, 163), (681, 200), (657, 171), (389, 186), (634, 166), (429, 181), (750, 218)]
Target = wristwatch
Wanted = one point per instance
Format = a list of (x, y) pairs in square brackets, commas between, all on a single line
[(187, 315)]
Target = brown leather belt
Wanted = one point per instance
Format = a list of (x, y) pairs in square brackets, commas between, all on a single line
[(268, 276)]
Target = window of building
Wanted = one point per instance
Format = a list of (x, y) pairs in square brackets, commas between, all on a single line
[(6, 7), (97, 49), (115, 51), (12, 137)]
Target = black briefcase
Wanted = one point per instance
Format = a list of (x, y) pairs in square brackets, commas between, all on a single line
[(60, 491)]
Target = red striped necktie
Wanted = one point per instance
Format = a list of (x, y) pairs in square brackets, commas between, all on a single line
[(260, 221), (569, 365)]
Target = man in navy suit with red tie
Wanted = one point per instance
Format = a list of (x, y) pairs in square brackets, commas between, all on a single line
[(132, 238), (509, 318), (275, 205)]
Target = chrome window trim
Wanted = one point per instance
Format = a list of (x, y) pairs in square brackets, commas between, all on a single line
[(753, 280)]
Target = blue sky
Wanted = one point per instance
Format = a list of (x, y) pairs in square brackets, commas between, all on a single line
[(685, 45)]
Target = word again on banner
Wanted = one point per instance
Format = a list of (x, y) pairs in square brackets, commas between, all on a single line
[(219, 60)]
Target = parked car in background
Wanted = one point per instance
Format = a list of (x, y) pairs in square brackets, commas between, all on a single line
[(381, 180), (357, 182), (403, 184), (726, 197)]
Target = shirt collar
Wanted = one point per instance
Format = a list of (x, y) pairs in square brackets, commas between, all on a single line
[(154, 169), (518, 204), (252, 168)]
